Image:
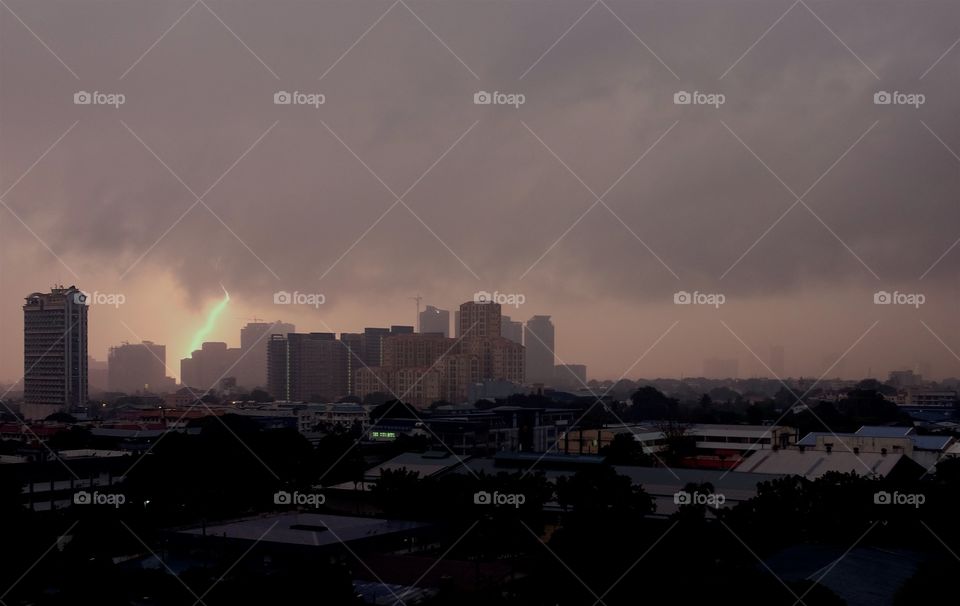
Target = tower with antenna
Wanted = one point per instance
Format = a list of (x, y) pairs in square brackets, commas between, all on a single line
[(418, 299)]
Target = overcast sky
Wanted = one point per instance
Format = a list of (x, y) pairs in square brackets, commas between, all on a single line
[(797, 198)]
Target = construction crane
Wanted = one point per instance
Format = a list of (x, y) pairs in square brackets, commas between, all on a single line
[(418, 299)]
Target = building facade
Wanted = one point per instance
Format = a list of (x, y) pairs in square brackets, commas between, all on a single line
[(539, 341), (511, 329), (55, 350), (137, 367), (479, 320), (435, 320), (209, 365), (307, 367), (425, 368), (252, 368)]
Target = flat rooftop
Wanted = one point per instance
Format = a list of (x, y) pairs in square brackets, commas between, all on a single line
[(309, 529)]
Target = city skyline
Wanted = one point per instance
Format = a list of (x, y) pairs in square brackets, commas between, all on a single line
[(420, 302), (229, 330), (711, 207)]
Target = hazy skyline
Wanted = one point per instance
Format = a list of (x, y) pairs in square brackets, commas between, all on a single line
[(490, 196)]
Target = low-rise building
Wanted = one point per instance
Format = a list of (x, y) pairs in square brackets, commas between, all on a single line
[(925, 450)]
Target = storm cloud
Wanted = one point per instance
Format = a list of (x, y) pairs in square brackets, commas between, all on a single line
[(598, 198)]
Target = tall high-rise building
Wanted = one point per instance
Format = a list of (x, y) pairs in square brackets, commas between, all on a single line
[(137, 367), (539, 341), (479, 320), (372, 345), (252, 368), (511, 329), (424, 368), (55, 351), (414, 351), (307, 367), (434, 320), (353, 346), (208, 366)]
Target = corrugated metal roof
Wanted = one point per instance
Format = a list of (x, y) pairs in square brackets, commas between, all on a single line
[(814, 463), (883, 431)]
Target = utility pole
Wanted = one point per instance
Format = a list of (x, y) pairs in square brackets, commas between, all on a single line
[(418, 299)]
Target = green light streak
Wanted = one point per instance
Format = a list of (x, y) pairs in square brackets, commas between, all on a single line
[(207, 328)]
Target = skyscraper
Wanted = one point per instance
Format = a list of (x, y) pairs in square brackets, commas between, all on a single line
[(208, 366), (134, 367), (252, 369), (353, 346), (307, 367), (538, 339), (54, 351), (434, 320), (511, 330), (424, 368), (371, 345), (479, 320)]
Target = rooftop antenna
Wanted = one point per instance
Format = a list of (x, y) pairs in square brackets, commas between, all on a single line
[(418, 299)]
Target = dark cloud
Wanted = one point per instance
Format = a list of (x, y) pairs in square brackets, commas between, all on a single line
[(399, 100)]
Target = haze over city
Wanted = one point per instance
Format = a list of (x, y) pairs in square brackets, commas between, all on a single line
[(460, 197), (479, 302)]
